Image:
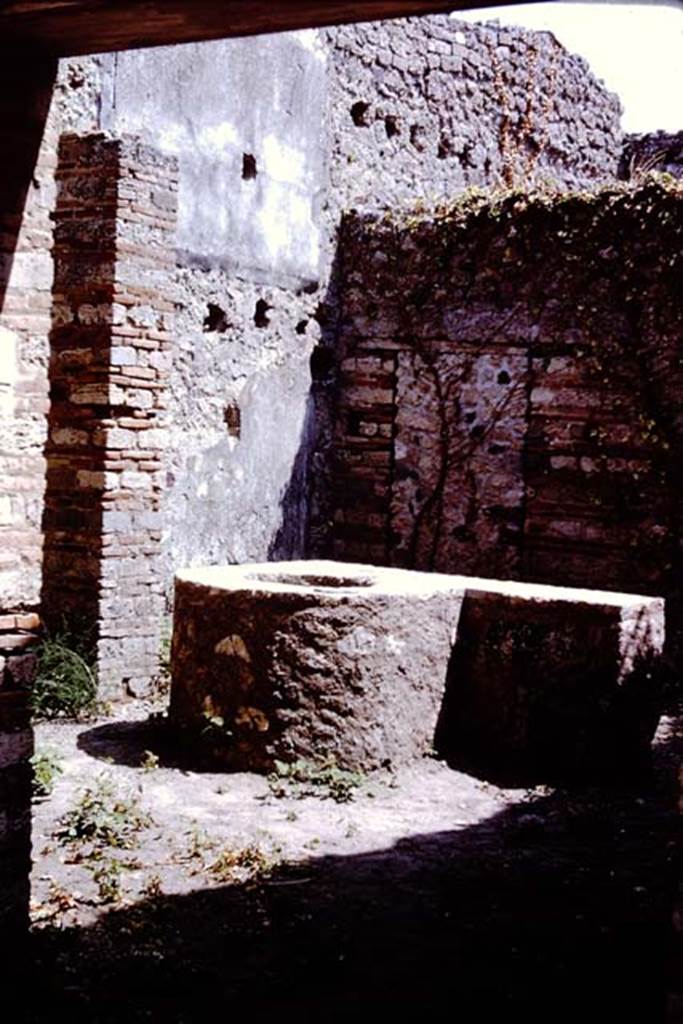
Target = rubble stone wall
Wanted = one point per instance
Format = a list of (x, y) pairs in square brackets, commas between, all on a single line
[(36, 106), (424, 107), (508, 399)]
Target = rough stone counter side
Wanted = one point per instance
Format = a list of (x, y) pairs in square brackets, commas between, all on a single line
[(372, 666), (552, 680), (298, 659)]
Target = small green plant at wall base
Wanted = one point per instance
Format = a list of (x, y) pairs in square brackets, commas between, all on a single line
[(66, 683), (46, 770), (103, 817), (307, 778), (164, 673)]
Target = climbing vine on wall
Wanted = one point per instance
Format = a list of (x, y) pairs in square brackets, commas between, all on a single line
[(523, 138), (574, 457)]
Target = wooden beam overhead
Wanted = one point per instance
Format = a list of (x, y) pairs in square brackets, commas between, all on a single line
[(70, 27)]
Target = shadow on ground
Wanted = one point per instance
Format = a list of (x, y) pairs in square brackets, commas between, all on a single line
[(555, 910), (128, 742)]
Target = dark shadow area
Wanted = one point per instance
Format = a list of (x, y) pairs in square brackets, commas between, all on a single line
[(558, 909), (307, 503), (128, 743), (26, 82), (530, 699)]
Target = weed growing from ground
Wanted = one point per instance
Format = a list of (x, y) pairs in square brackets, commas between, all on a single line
[(245, 865), (152, 888), (107, 876), (150, 761), (46, 769), (307, 778), (103, 817), (199, 844), (66, 683), (164, 670)]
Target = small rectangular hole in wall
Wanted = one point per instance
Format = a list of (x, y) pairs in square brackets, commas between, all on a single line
[(261, 318), (233, 419), (249, 169)]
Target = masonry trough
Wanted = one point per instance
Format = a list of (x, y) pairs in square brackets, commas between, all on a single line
[(374, 666)]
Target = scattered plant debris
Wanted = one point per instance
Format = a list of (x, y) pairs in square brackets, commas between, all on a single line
[(107, 876), (46, 769), (307, 778), (104, 817), (243, 865)]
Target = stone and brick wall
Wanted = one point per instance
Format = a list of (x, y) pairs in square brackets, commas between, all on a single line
[(111, 343), (508, 399), (242, 427), (36, 105)]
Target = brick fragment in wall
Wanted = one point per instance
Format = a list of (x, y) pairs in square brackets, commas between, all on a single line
[(104, 481)]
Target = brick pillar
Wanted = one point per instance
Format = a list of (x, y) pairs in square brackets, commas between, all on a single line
[(111, 351)]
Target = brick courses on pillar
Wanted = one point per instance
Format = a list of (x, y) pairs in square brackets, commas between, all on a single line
[(111, 352)]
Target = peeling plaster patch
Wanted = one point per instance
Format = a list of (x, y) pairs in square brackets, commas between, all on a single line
[(285, 221), (282, 162), (218, 136), (359, 639), (233, 647), (394, 645), (311, 41), (172, 138)]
